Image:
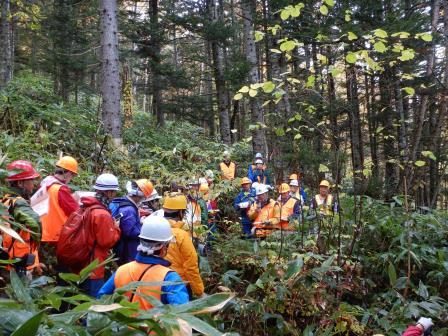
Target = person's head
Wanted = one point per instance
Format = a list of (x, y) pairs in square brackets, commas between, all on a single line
[(246, 183), (226, 156), (204, 190), (155, 236), (138, 190), (153, 201), (259, 164), (324, 188), (293, 177), (209, 176), (294, 185), (174, 206), (262, 193), (284, 191), (23, 176), (194, 184), (106, 187), (66, 169), (258, 156)]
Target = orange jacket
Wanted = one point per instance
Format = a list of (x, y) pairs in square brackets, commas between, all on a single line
[(184, 259), (227, 171), (132, 272), (269, 213)]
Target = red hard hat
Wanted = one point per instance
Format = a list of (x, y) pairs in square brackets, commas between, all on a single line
[(27, 171)]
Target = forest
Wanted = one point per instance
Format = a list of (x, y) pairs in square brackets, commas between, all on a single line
[(354, 92)]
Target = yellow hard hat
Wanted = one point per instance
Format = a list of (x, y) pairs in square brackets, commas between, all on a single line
[(145, 186), (324, 183), (203, 188), (246, 180), (284, 187), (175, 201), (293, 177), (68, 163)]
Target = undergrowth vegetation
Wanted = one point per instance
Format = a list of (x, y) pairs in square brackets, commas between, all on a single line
[(373, 268)]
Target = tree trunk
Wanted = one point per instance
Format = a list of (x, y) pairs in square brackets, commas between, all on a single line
[(257, 112), (209, 91), (372, 125), (216, 17), (6, 44), (110, 74)]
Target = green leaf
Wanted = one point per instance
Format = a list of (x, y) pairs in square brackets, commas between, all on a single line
[(30, 327), (310, 81), (352, 36), (407, 55), (323, 10), (379, 46), (409, 90), (199, 325), (351, 57), (21, 293), (238, 96), (258, 36), (429, 155), (297, 136), (280, 132), (284, 14), (69, 277), (423, 290), (244, 89), (392, 274), (402, 35), (347, 18), (268, 87), (426, 37), (323, 168), (287, 45), (380, 33), (294, 267), (322, 58), (330, 2), (420, 163)]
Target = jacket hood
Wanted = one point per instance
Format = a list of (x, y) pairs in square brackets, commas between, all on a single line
[(90, 200)]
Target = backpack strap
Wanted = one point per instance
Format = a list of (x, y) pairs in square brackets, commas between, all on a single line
[(140, 279)]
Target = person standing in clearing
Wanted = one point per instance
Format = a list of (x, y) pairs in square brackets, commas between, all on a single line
[(242, 203), (265, 212), (324, 203), (227, 167)]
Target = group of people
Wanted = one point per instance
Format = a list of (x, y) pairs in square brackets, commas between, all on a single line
[(261, 215)]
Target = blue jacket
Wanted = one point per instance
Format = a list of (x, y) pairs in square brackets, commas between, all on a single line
[(130, 226), (304, 195), (172, 294), (260, 174), (244, 196)]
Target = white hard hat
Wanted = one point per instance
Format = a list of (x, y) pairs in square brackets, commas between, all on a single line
[(258, 156), (106, 182), (294, 183), (226, 154), (156, 229), (255, 185), (203, 180), (209, 174), (258, 161), (261, 189), (154, 196)]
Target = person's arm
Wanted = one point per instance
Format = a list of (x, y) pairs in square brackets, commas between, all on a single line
[(253, 213), (191, 266), (413, 331), (129, 225), (275, 215), (108, 288), (297, 208), (25, 215), (237, 201), (66, 201), (174, 294), (105, 230)]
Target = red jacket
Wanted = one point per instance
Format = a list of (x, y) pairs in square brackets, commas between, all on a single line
[(103, 236), (413, 331)]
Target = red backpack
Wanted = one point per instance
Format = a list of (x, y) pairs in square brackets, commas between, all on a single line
[(72, 249)]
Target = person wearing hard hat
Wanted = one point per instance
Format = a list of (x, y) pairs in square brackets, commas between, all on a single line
[(150, 205), (251, 168), (265, 212), (324, 203), (150, 266), (242, 203), (193, 213), (295, 192), (21, 180), (299, 191), (260, 173), (126, 211), (227, 167), (423, 327), (181, 252), (290, 207), (104, 231), (61, 203)]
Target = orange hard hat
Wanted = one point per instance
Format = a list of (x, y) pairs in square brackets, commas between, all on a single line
[(284, 187), (204, 188), (246, 180), (145, 186), (68, 163), (293, 177)]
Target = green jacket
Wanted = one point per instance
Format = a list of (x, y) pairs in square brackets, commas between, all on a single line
[(204, 211)]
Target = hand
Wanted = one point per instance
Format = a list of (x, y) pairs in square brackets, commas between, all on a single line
[(425, 322)]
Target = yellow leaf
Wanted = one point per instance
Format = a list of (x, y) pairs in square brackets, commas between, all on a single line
[(253, 93), (323, 10), (238, 96), (244, 89)]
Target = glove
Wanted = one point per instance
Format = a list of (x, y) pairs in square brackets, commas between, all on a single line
[(243, 205), (425, 322)]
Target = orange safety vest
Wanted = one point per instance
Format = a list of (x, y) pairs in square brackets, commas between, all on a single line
[(15, 248), (227, 171), (287, 211), (266, 213), (53, 221), (325, 206), (135, 271)]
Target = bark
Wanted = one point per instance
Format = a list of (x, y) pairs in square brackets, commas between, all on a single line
[(110, 81), (256, 110), (6, 44), (209, 91), (372, 125), (222, 94)]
